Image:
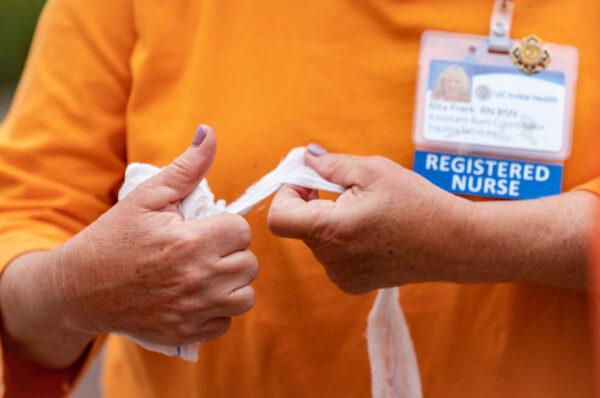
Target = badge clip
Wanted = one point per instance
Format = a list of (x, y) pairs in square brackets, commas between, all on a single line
[(500, 25)]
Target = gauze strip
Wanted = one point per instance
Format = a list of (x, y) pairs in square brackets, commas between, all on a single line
[(394, 369)]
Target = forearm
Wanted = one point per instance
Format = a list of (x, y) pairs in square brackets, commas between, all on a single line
[(35, 318), (543, 241)]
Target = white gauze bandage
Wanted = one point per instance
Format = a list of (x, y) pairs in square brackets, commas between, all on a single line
[(394, 369)]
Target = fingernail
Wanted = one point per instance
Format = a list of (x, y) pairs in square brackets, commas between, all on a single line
[(200, 135), (316, 150)]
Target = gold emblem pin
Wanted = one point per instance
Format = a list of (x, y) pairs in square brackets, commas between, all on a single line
[(530, 55)]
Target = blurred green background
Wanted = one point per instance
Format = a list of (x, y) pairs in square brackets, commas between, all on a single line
[(17, 23)]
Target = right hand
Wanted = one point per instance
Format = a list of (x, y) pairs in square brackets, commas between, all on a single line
[(141, 269)]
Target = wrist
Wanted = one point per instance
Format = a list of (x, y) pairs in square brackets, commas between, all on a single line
[(33, 314), (457, 241), (25, 286), (486, 242), (70, 283), (537, 241)]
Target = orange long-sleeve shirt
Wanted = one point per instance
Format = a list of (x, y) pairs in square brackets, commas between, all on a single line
[(594, 294), (115, 81)]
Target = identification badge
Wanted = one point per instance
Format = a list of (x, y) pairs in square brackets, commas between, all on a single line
[(493, 116)]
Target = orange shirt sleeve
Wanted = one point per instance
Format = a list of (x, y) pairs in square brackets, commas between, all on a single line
[(594, 300), (592, 186), (62, 144)]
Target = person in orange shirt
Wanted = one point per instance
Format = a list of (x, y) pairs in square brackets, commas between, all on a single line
[(119, 81)]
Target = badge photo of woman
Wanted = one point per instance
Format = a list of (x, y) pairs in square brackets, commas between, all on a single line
[(453, 84)]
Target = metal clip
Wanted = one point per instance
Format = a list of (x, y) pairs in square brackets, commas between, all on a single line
[(500, 24)]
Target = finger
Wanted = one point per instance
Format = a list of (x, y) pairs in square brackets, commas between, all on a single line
[(292, 217), (234, 302), (240, 301), (182, 176), (345, 170), (223, 234), (240, 268)]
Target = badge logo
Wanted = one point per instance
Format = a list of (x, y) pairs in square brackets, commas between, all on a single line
[(483, 92), (530, 55)]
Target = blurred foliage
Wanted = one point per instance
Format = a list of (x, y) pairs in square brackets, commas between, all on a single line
[(17, 23)]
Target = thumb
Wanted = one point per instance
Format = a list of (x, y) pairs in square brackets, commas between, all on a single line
[(344, 170), (182, 176)]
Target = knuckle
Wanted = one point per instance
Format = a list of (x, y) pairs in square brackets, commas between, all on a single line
[(244, 301), (248, 299), (248, 261), (232, 223), (246, 264), (187, 283), (253, 265), (338, 165), (179, 245), (276, 220), (334, 162), (183, 309), (242, 227), (185, 239), (375, 163), (181, 166), (186, 290)]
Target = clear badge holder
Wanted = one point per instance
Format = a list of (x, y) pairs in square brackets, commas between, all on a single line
[(493, 116)]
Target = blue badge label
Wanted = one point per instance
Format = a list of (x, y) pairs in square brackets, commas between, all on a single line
[(484, 176)]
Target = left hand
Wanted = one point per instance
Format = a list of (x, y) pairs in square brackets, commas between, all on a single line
[(390, 227)]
